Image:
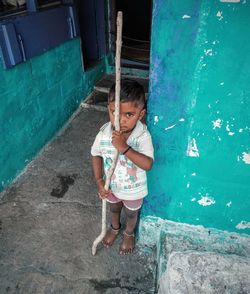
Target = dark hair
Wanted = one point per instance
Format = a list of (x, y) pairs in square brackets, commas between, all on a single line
[(131, 91)]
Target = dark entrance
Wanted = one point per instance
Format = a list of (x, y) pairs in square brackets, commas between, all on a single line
[(136, 31), (98, 17)]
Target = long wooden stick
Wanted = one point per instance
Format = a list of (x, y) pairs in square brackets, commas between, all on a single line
[(117, 126)]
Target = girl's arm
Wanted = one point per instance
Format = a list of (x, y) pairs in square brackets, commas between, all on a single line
[(139, 159), (97, 165)]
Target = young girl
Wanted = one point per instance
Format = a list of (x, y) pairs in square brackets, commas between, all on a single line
[(128, 184)]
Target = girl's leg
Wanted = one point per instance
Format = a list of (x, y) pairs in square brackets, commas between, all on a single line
[(128, 242), (115, 210)]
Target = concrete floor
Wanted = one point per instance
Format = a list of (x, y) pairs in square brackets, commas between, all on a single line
[(49, 218)]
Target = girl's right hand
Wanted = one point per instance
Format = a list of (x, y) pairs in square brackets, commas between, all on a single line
[(102, 193)]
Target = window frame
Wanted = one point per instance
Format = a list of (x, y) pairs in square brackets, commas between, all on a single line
[(36, 31)]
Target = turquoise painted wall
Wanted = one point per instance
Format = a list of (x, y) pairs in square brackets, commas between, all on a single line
[(37, 98), (199, 113)]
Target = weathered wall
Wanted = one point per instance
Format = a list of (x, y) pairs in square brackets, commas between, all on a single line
[(198, 113), (37, 98)]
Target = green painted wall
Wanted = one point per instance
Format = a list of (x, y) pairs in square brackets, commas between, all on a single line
[(37, 98), (198, 113)]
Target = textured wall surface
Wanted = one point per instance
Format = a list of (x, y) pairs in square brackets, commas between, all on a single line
[(37, 98), (198, 113)]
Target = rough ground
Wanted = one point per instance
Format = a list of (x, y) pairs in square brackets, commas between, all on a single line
[(49, 218)]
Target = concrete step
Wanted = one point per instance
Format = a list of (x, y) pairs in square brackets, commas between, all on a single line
[(190, 258), (107, 81), (97, 98), (205, 272)]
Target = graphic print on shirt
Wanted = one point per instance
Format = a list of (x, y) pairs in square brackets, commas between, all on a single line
[(130, 168), (107, 163)]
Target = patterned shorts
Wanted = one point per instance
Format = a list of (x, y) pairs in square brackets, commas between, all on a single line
[(129, 204)]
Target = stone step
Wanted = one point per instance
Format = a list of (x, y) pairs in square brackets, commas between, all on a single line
[(205, 272), (107, 81), (183, 239), (97, 98), (177, 245)]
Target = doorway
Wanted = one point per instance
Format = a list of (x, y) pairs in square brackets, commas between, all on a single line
[(136, 31)]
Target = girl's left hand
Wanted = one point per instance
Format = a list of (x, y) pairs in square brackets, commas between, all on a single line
[(119, 141)]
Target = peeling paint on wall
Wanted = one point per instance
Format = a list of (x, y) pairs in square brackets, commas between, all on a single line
[(228, 129), (198, 74), (192, 149), (186, 16), (217, 123), (246, 157), (156, 119), (170, 127), (206, 201), (219, 15), (243, 225)]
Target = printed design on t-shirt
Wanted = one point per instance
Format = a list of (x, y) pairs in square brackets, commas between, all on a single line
[(130, 168), (107, 163), (134, 143)]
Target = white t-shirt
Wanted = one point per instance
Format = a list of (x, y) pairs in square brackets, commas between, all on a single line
[(129, 182)]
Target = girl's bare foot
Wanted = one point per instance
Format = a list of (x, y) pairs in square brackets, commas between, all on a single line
[(128, 244), (110, 237)]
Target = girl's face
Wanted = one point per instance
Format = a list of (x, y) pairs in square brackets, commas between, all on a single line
[(130, 113)]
